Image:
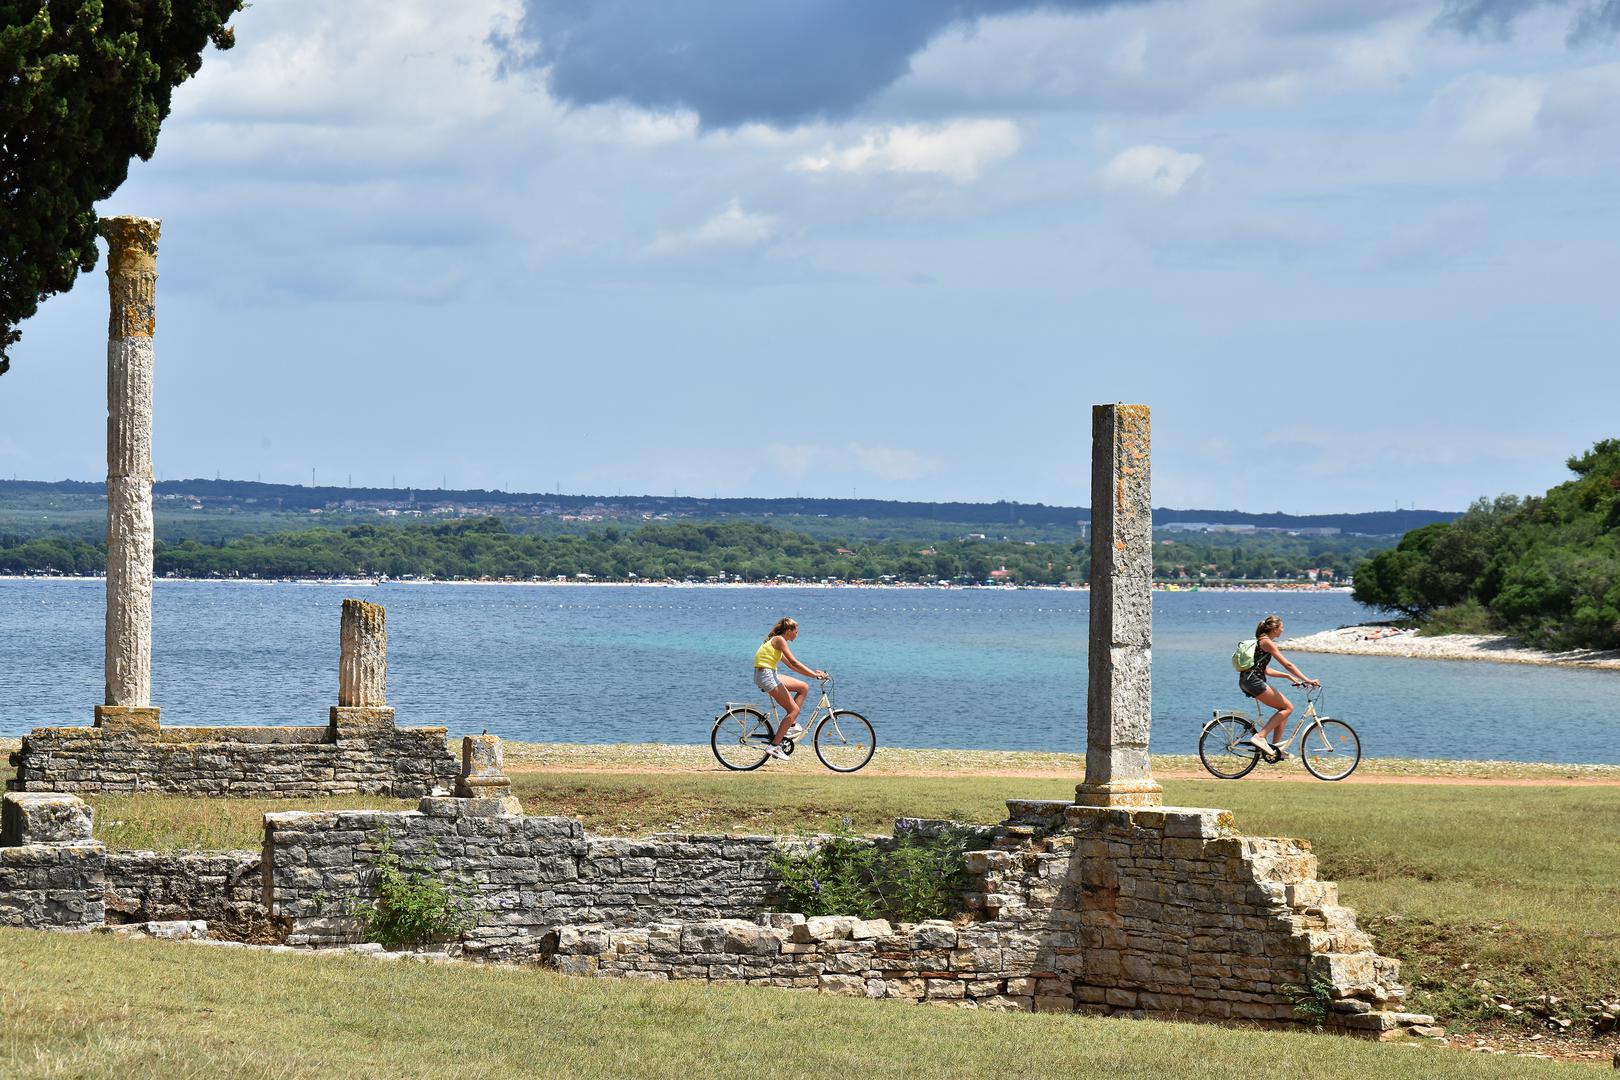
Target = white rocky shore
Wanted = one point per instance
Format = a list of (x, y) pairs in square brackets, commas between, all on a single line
[(1385, 641)]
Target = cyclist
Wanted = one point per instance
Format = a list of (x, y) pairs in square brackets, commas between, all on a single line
[(1253, 684), (785, 690)]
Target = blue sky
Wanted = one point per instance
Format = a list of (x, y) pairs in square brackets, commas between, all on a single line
[(1354, 253)]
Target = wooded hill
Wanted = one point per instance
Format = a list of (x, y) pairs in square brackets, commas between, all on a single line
[(1546, 568)]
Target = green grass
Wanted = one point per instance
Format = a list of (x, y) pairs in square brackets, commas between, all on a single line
[(1517, 882), (91, 1007)]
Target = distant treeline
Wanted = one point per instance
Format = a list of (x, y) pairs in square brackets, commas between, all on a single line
[(298, 497), (748, 551), (1545, 568)]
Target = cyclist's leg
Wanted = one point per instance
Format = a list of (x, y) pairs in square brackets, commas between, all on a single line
[(1274, 728), (790, 694)]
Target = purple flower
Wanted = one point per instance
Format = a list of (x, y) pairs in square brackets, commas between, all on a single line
[(815, 884)]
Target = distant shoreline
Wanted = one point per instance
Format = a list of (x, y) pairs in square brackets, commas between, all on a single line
[(369, 582), (1407, 644)]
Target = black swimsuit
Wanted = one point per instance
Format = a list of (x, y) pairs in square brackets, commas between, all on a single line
[(1253, 682)]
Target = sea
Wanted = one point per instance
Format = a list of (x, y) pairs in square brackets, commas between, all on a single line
[(1001, 669)]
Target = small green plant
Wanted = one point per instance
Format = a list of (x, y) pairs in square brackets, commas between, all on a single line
[(1312, 1001), (414, 906), (920, 877)]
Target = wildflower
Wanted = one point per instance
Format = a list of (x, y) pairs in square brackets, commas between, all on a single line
[(815, 884)]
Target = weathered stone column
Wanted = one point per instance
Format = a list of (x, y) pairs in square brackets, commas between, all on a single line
[(131, 286), (1119, 680), (483, 769), (363, 656), (362, 710)]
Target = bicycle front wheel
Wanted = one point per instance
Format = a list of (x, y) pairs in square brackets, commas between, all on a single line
[(845, 741), (1330, 750), (1224, 747), (740, 737)]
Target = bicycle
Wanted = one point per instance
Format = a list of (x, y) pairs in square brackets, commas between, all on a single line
[(1328, 748), (844, 740)]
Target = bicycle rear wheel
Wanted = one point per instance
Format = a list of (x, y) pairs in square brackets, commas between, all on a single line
[(1224, 747), (845, 741), (740, 737), (1330, 749)]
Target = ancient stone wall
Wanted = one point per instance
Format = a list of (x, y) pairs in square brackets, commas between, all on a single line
[(364, 755), (51, 871), (527, 875), (221, 887), (1139, 911)]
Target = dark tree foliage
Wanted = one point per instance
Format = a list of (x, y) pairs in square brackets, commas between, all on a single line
[(1547, 568), (84, 86)]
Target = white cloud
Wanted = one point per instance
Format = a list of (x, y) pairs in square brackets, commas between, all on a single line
[(732, 227), (1493, 108), (1156, 168), (891, 462), (958, 150)]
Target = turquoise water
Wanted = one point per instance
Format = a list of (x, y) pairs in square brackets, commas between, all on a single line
[(946, 668)]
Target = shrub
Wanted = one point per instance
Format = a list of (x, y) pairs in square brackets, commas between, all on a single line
[(918, 877), (414, 906)]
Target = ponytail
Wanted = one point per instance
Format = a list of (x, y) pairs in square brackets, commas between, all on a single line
[(783, 625), (1267, 627)]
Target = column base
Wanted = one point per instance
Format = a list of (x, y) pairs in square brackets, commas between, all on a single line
[(360, 721), (1139, 792), (127, 719)]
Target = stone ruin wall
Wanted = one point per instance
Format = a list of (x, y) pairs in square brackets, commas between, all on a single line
[(344, 757), (1148, 912), (1158, 912)]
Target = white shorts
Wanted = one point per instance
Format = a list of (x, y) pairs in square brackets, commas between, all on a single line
[(765, 678)]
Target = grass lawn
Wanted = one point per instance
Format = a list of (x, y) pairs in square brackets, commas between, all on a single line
[(1517, 883), (88, 1006)]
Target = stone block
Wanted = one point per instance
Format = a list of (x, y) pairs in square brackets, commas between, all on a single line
[(28, 817), (347, 722), (127, 720)]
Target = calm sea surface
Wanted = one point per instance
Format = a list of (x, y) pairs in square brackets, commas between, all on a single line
[(599, 664)]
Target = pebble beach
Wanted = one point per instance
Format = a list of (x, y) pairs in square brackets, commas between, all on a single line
[(1497, 648)]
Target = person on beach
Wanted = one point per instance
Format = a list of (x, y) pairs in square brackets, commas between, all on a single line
[(1253, 684), (785, 690)]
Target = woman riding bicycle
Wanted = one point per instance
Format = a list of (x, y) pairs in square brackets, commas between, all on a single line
[(785, 690), (1253, 684)]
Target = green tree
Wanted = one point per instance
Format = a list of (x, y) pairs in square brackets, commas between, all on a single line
[(86, 84)]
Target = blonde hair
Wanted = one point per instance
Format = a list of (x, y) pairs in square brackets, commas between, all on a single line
[(783, 625), (1267, 627)]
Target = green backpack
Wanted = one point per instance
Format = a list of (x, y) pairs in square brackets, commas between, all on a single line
[(1243, 655)]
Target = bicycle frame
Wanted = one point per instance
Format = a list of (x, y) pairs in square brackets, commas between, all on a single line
[(1305, 720), (774, 716)]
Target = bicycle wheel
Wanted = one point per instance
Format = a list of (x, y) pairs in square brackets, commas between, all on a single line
[(1330, 749), (740, 737), (1224, 749), (845, 741)]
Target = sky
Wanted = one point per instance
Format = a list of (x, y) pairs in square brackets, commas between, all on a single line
[(1355, 254)]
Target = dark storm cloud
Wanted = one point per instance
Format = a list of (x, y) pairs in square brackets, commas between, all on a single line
[(1590, 20), (739, 61)]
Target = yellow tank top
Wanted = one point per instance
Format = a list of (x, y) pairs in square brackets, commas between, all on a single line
[(768, 655)]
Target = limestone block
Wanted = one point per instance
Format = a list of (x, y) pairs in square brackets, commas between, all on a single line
[(43, 818), (127, 720), (360, 722)]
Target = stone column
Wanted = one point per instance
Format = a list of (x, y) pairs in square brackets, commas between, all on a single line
[(131, 285), (362, 710), (363, 656), (1119, 680)]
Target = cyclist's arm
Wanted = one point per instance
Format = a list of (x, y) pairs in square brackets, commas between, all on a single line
[(1292, 672), (793, 662)]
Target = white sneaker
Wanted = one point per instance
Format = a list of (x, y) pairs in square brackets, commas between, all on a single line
[(776, 751), (793, 732), (1258, 741)]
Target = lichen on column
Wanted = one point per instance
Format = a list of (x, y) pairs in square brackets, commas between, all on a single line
[(1119, 684), (131, 286)]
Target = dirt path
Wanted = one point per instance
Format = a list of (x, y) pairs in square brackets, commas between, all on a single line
[(1289, 777)]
